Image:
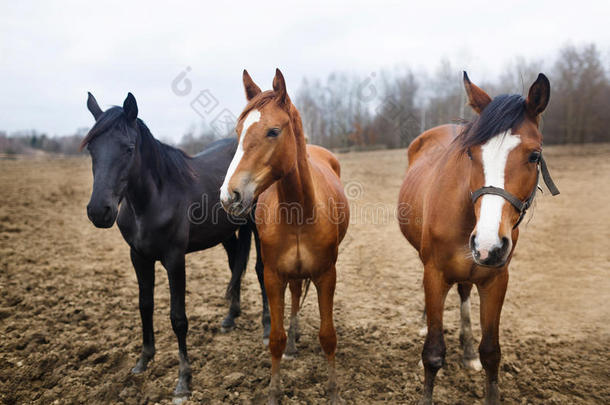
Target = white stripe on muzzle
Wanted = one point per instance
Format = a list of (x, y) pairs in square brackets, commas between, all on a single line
[(495, 154), (252, 118)]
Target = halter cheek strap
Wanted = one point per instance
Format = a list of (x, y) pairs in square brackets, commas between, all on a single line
[(520, 206)]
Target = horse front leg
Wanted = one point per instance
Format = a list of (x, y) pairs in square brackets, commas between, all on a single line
[(145, 271), (433, 354), (296, 288), (470, 359), (174, 264), (325, 286), (276, 288), (492, 297)]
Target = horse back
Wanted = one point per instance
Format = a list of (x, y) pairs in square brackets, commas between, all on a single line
[(324, 156), (431, 142)]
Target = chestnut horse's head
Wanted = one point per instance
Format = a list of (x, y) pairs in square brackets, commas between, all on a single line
[(504, 144), (267, 145)]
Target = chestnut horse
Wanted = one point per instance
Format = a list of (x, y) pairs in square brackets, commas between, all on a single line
[(301, 214), (465, 192)]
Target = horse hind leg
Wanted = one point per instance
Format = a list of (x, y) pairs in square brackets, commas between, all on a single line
[(296, 288), (233, 294), (260, 274), (423, 331), (470, 359)]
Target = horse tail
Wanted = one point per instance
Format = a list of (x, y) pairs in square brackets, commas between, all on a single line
[(306, 283), (240, 253)]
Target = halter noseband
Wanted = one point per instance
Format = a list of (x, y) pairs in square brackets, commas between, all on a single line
[(520, 206)]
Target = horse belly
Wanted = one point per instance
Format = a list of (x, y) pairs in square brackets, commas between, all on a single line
[(410, 208)]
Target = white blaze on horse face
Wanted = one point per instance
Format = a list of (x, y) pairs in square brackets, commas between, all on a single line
[(495, 153), (252, 118)]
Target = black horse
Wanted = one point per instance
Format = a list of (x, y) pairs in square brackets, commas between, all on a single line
[(169, 206)]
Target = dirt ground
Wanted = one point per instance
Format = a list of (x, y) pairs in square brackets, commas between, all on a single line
[(70, 327)]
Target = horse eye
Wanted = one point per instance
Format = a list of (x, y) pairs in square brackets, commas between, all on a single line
[(534, 157), (129, 150), (273, 132)]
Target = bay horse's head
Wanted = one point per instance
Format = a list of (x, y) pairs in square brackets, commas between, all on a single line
[(504, 145), (111, 143), (267, 145)]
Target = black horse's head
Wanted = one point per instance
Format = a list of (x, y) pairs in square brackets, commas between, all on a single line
[(112, 145)]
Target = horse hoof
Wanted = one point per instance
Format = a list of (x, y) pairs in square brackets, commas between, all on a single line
[(420, 364), (141, 366), (182, 391), (227, 325), (336, 399), (180, 400), (473, 364), (266, 341), (138, 369), (289, 356)]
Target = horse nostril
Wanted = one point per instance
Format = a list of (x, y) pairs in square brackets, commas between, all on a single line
[(107, 212), (236, 196), (505, 243), (472, 241)]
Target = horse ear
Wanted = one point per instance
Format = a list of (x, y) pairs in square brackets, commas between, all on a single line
[(252, 90), (130, 107), (477, 98), (279, 87), (93, 107), (538, 96)]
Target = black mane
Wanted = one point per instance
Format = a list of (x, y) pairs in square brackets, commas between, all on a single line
[(503, 113), (164, 162)]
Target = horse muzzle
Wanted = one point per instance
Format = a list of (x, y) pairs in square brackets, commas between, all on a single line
[(236, 204), (102, 215), (493, 256)]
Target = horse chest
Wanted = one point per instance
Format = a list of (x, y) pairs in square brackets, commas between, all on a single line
[(147, 236), (296, 257)]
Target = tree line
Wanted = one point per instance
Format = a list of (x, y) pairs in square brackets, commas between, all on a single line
[(389, 109)]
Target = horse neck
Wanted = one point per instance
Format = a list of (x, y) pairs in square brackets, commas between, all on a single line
[(141, 184), (297, 186), (453, 188)]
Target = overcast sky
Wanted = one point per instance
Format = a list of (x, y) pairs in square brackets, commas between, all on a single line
[(52, 53)]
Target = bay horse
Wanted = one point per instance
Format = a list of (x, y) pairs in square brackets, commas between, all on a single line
[(301, 215), (169, 206), (466, 190)]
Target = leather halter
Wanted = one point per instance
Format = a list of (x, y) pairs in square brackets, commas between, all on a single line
[(520, 206)]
